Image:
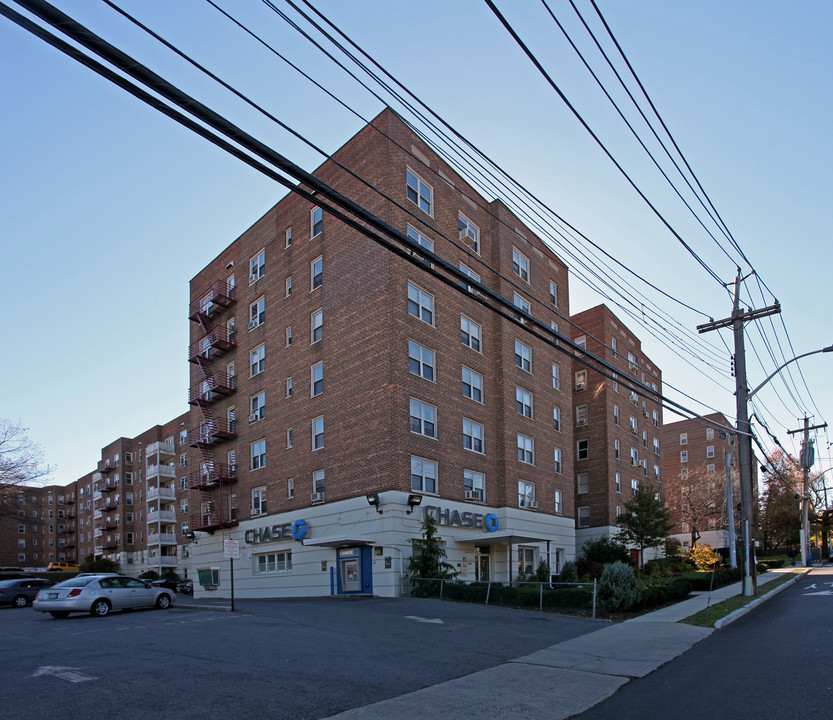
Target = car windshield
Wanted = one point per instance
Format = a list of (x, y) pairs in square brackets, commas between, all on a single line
[(75, 582)]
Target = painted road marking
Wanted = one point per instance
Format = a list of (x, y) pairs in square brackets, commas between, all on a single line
[(65, 673), (435, 621)]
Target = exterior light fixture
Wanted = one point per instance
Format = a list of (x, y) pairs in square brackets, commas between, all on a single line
[(413, 502), (373, 499)]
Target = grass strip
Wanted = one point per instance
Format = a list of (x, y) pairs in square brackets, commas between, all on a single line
[(713, 613)]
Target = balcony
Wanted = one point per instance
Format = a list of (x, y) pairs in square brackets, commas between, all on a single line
[(67, 531), (212, 389), (156, 471), (212, 302), (98, 533), (97, 494), (212, 345), (70, 543), (166, 494), (210, 519), (109, 506), (165, 516), (109, 524), (109, 486), (212, 432), (97, 514), (99, 550), (106, 468), (70, 500), (161, 448), (168, 561), (212, 476), (162, 539)]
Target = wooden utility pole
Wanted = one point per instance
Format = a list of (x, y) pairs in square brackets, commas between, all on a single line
[(807, 460)]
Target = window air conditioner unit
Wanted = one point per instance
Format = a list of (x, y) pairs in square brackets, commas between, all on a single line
[(644, 413), (467, 236), (581, 386), (581, 421), (252, 324), (634, 431), (532, 504), (253, 417), (252, 278), (473, 495), (317, 497)]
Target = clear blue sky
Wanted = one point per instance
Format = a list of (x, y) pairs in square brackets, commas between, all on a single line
[(108, 208)]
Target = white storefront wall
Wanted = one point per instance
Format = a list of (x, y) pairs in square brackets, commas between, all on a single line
[(353, 523)]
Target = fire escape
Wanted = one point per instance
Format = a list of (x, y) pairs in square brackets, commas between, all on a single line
[(213, 480)]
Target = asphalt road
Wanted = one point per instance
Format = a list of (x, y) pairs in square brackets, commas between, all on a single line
[(271, 659), (774, 663)]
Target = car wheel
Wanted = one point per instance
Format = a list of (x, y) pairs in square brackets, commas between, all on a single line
[(20, 601), (163, 602), (100, 608), (60, 614)]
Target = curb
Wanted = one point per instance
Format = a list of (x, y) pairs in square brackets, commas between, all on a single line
[(740, 612), (196, 606)]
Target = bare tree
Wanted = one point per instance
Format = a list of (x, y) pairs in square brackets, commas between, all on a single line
[(21, 463), (702, 496)]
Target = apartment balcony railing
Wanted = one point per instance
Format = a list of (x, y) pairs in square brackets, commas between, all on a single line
[(162, 539), (109, 486), (162, 448), (210, 477), (212, 389), (213, 301), (168, 561), (168, 516), (165, 471), (110, 506), (166, 494), (212, 345), (212, 432)]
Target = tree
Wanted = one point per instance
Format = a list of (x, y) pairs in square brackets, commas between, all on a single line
[(780, 518), (21, 463), (93, 564), (645, 522), (604, 550), (428, 557), (702, 496)]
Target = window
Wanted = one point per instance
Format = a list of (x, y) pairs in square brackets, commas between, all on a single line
[(420, 304), (634, 457), (619, 482), (710, 451), (582, 449), (259, 501), (683, 438), (288, 286), (470, 333), (274, 562), (420, 361), (183, 505), (634, 487), (583, 514), (288, 237), (316, 273), (474, 485), (257, 360), (526, 560), (556, 454), (128, 538), (526, 494), (582, 414), (559, 503), (521, 304), (290, 488), (418, 192), (656, 446), (316, 222), (615, 414), (583, 483), (553, 294), (316, 379), (288, 336), (289, 438), (317, 325), (258, 454), (289, 387), (466, 270), (423, 419), (469, 233), (421, 240), (556, 378), (258, 407), (581, 342), (613, 346), (520, 265), (655, 418), (257, 266), (472, 436), (556, 419), (318, 433), (683, 456), (657, 472), (618, 511), (633, 426), (617, 451), (423, 475), (523, 402), (526, 449), (709, 433), (615, 382), (472, 385), (257, 313), (523, 356), (318, 481), (581, 380)]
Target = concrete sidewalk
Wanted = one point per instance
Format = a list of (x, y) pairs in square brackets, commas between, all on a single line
[(567, 678)]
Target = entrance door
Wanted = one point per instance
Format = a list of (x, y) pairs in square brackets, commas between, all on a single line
[(351, 575), (481, 564)]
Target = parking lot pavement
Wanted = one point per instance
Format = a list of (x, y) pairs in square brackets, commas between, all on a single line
[(298, 658)]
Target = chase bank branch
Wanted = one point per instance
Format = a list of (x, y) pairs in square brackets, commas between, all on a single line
[(354, 547)]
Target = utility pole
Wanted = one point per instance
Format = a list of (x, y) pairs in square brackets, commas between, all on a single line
[(807, 460), (744, 432)]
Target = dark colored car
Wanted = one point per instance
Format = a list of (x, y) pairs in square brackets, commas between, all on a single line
[(165, 583), (186, 587), (20, 592)]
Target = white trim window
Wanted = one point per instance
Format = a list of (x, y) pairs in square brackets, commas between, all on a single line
[(559, 503), (318, 482), (523, 402), (288, 287), (683, 456), (683, 438), (259, 500), (466, 270), (526, 494), (523, 356), (470, 333), (419, 192), (556, 377), (257, 407), (472, 385), (472, 436), (557, 464), (316, 272), (316, 222), (520, 264), (423, 419), (521, 303), (526, 449), (257, 360), (582, 449), (316, 325), (583, 483), (710, 451), (420, 304), (289, 387), (556, 419), (258, 454), (257, 266), (287, 237), (318, 433), (581, 380), (316, 386), (274, 562), (618, 482), (420, 361), (469, 233), (423, 475), (474, 485), (421, 240), (257, 313), (634, 487), (553, 294), (583, 516)]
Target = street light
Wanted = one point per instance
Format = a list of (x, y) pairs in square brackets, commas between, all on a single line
[(829, 348)]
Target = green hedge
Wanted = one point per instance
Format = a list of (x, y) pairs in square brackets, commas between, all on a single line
[(654, 594)]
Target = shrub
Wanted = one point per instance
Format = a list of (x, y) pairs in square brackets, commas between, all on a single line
[(773, 563), (149, 575), (703, 556), (617, 589), (569, 574), (673, 547), (587, 569), (605, 550), (657, 568)]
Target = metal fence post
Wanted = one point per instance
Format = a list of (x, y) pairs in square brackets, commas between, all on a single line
[(594, 598), (541, 597), (488, 591), (442, 585)]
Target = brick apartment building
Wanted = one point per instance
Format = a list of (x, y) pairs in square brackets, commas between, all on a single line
[(618, 431), (328, 373), (694, 466)]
